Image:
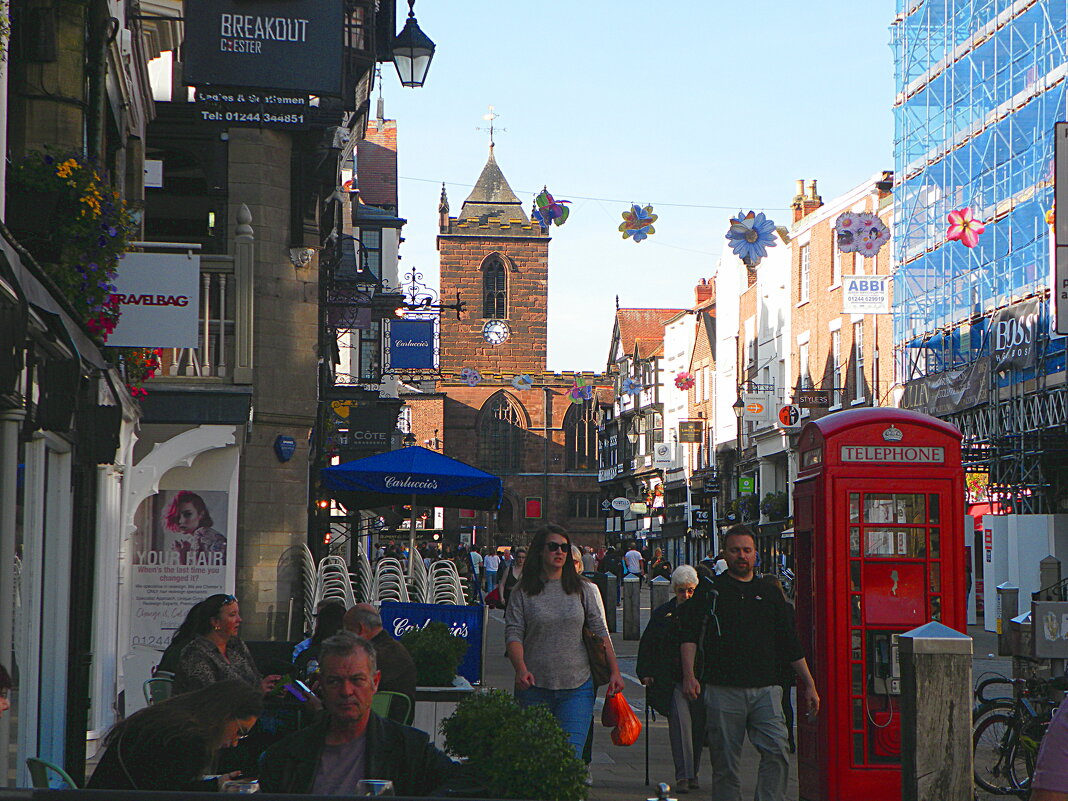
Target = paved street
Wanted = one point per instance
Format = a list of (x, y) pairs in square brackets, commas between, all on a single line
[(619, 773)]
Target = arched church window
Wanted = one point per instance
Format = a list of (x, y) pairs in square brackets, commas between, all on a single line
[(500, 427), (580, 437), (494, 288)]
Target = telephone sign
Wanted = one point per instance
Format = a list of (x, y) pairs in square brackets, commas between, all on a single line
[(789, 416)]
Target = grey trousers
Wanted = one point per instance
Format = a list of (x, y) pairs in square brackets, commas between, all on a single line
[(732, 713), (686, 729)]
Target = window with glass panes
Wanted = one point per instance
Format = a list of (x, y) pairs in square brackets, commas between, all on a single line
[(836, 365), (860, 389), (806, 269), (904, 529)]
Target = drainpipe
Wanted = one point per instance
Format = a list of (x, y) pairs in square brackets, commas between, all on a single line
[(546, 413), (5, 42), (102, 30)]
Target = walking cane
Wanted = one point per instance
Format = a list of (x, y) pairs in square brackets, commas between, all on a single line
[(646, 736)]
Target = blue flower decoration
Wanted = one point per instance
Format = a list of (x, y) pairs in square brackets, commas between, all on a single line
[(751, 236), (631, 386), (638, 222)]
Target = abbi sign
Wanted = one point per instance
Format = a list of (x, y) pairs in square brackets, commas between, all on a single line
[(865, 294)]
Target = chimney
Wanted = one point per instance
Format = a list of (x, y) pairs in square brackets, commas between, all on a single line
[(704, 292), (376, 164), (806, 200)]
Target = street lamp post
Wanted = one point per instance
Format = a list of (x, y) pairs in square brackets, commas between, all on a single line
[(739, 410)]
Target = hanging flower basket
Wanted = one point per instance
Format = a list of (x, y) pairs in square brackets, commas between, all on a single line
[(76, 225)]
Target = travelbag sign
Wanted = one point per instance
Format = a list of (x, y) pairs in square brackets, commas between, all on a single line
[(158, 294), (464, 622), (267, 44)]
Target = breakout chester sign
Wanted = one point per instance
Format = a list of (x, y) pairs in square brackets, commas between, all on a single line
[(268, 44)]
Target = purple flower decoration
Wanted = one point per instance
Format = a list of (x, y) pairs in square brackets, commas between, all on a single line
[(48, 160)]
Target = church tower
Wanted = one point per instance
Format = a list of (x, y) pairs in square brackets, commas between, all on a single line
[(498, 260)]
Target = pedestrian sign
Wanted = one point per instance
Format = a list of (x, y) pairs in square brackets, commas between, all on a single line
[(789, 416)]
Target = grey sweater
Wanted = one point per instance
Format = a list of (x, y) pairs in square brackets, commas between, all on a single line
[(549, 627)]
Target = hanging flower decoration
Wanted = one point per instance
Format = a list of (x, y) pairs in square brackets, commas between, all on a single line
[(751, 236), (684, 380), (965, 228), (638, 222), (549, 210), (471, 376), (864, 233), (1051, 217), (631, 386), (579, 391), (522, 382), (137, 366)]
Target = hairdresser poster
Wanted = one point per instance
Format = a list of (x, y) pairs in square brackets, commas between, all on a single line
[(181, 550)]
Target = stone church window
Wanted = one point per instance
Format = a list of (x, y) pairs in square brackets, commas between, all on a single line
[(500, 427), (494, 289), (580, 437)]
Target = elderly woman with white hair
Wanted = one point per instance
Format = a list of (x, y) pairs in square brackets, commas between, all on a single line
[(660, 670)]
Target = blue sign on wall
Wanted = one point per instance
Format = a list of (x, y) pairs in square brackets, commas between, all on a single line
[(464, 622), (410, 345)]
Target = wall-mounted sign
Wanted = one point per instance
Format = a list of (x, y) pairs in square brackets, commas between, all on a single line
[(789, 416), (1049, 620), (639, 509), (268, 44), (1014, 336), (949, 391), (363, 427), (235, 108), (284, 447), (159, 297), (464, 622), (865, 294), (662, 455), (691, 431), (1060, 260), (813, 399), (919, 454), (746, 484), (757, 407), (409, 345), (621, 504)]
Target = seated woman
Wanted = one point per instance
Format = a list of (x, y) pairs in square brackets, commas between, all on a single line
[(216, 652), (171, 745)]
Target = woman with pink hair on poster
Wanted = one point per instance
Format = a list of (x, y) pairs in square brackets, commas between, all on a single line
[(188, 514)]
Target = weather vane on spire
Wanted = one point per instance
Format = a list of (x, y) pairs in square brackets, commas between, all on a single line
[(490, 117)]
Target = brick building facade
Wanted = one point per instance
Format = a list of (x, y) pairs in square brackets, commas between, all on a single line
[(541, 443)]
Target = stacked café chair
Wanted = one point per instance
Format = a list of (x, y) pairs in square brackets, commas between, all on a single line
[(419, 582), (332, 581), (309, 576), (389, 583), (364, 578), (445, 586)]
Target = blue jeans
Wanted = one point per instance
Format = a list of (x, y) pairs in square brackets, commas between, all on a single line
[(491, 580), (571, 708)]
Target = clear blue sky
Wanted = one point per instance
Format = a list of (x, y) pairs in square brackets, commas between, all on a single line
[(688, 103)]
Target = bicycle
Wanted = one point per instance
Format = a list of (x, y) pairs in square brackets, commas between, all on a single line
[(1007, 733)]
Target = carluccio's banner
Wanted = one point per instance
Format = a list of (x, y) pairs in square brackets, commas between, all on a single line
[(293, 45)]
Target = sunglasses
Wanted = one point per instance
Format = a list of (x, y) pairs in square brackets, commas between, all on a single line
[(558, 546)]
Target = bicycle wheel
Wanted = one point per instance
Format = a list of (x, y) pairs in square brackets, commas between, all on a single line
[(993, 740), (1023, 753)]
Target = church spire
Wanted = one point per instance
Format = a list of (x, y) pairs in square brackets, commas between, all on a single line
[(492, 196)]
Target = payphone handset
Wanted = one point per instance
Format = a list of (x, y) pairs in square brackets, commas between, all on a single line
[(884, 667)]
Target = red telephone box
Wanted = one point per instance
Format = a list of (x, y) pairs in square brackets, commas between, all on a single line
[(879, 545)]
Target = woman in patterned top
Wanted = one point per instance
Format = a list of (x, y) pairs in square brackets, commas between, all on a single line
[(216, 653)]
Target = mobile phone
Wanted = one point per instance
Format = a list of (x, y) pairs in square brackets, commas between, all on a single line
[(298, 690)]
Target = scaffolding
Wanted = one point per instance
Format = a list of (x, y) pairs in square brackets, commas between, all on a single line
[(979, 86)]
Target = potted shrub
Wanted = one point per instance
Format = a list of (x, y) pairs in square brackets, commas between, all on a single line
[(514, 752), (436, 654)]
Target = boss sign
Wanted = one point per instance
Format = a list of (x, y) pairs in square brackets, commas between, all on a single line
[(865, 294)]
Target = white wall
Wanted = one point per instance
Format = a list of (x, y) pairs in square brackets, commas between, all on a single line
[(1018, 544), (678, 347)]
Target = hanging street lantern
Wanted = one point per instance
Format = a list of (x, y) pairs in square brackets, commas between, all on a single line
[(412, 51)]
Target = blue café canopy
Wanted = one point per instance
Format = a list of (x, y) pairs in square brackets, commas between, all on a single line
[(431, 478)]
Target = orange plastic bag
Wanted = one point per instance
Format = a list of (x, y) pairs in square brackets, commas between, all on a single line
[(618, 715)]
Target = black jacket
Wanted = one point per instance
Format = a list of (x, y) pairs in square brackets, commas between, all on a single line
[(749, 636), (659, 657), (399, 753)]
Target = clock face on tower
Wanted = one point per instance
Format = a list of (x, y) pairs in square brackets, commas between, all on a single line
[(495, 332)]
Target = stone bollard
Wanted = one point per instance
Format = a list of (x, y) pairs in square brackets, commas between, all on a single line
[(611, 582), (936, 714), (659, 592), (1008, 608), (632, 607)]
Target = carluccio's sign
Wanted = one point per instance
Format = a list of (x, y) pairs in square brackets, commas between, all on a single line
[(293, 45)]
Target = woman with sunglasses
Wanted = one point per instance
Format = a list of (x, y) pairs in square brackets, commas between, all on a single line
[(543, 630), (216, 652), (173, 744)]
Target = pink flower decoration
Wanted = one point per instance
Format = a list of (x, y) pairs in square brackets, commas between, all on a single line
[(684, 380), (964, 227)]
